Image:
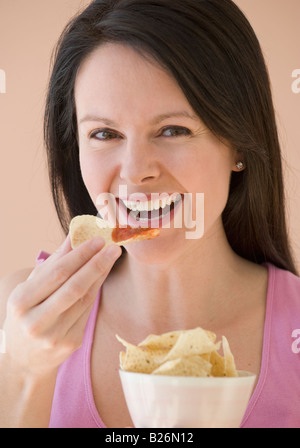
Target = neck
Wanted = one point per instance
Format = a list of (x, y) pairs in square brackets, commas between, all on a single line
[(197, 289)]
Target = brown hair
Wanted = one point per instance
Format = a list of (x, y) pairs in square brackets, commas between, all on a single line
[(212, 51)]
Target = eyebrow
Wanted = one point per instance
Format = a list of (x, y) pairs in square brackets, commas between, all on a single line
[(183, 114), (157, 120), (88, 118)]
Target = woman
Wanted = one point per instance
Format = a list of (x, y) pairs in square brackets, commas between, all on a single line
[(156, 96)]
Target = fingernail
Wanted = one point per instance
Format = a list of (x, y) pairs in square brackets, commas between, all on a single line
[(113, 252)]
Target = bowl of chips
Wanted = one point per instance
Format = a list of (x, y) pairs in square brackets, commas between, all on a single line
[(184, 379)]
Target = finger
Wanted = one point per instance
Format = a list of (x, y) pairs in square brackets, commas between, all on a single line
[(75, 333), (78, 285), (78, 288), (63, 249), (68, 334), (50, 276), (73, 321)]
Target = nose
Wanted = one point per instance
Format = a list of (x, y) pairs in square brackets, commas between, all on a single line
[(139, 164)]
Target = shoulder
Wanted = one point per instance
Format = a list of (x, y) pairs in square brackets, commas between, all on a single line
[(285, 280), (7, 285), (284, 293)]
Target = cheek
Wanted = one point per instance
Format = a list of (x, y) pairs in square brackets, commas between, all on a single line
[(210, 176), (94, 176), (216, 194), (205, 174)]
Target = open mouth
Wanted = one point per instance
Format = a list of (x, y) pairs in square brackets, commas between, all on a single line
[(153, 212)]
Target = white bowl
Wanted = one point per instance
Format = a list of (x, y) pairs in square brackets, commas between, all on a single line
[(159, 401)]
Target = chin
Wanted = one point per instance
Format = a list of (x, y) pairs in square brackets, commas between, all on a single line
[(159, 251)]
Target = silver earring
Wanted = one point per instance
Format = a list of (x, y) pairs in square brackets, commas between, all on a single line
[(240, 165)]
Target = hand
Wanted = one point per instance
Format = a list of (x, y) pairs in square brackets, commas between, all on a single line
[(47, 314)]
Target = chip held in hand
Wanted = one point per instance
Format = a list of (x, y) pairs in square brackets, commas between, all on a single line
[(192, 352), (86, 227)]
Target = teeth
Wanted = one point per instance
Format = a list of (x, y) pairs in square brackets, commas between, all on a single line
[(151, 205)]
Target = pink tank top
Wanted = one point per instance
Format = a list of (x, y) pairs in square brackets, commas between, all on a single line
[(275, 402)]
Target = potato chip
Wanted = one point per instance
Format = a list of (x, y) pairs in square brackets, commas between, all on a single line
[(212, 336), (122, 357), (168, 340), (191, 366), (206, 356), (230, 369), (164, 341), (85, 227), (179, 353), (138, 359), (217, 363), (193, 342)]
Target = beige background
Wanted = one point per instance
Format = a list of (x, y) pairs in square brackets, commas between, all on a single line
[(28, 32)]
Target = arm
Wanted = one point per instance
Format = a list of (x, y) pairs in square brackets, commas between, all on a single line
[(44, 317), (25, 400)]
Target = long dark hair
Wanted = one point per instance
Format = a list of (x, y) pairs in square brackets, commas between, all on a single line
[(212, 51)]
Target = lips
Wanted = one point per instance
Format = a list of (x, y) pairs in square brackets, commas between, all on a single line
[(151, 212)]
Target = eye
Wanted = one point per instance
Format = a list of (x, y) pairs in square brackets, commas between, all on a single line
[(104, 134), (175, 131)]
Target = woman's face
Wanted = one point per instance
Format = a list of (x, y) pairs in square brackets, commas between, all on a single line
[(139, 134)]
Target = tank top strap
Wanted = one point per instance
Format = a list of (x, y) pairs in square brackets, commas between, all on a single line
[(73, 403), (90, 326), (41, 257)]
